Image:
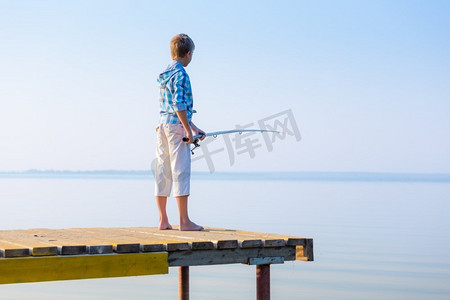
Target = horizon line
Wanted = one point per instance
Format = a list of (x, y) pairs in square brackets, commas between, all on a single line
[(41, 171), (233, 176)]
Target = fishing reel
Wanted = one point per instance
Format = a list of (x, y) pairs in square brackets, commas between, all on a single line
[(195, 142), (196, 145)]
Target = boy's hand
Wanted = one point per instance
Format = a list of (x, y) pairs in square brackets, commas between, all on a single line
[(189, 137), (202, 133), (198, 131)]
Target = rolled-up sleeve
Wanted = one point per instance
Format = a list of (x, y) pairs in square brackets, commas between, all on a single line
[(181, 86)]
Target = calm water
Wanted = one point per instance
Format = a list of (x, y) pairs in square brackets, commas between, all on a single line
[(373, 239)]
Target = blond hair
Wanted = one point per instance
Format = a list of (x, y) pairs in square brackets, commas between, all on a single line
[(180, 45)]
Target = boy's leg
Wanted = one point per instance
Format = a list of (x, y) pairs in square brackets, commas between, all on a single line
[(185, 222), (163, 176), (180, 156), (162, 168), (161, 201)]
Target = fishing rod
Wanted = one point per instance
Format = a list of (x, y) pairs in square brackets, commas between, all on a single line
[(216, 133)]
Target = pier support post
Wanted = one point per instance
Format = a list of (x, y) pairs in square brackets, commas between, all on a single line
[(263, 282), (183, 283)]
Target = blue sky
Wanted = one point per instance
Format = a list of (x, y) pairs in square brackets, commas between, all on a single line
[(367, 82)]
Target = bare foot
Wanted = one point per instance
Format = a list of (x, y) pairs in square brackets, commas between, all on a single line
[(164, 226), (190, 226)]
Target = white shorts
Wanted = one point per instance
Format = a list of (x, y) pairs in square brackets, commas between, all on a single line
[(173, 161)]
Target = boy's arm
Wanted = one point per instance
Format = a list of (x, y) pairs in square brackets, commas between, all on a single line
[(179, 104), (182, 116)]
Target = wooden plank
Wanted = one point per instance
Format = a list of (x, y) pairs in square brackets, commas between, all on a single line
[(274, 243), (229, 234), (252, 239), (41, 244), (300, 253), (222, 239), (106, 236), (100, 249), (305, 253), (196, 239), (266, 260), (14, 249), (274, 239), (171, 238), (126, 239), (14, 252), (185, 239), (73, 250), (127, 248), (269, 239), (251, 244), (291, 241), (227, 244), (22, 239), (309, 250), (69, 242), (202, 246), (44, 251), (227, 256), (178, 247), (48, 268), (296, 242), (153, 247)]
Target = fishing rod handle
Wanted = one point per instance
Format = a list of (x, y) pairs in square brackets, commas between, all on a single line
[(196, 137)]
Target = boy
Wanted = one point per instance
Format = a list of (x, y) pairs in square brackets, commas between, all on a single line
[(173, 157)]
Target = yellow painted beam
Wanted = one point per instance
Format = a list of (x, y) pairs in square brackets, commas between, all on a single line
[(50, 268)]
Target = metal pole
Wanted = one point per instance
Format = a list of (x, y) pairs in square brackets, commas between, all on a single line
[(263, 282), (183, 283)]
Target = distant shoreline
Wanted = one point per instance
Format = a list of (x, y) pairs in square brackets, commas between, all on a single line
[(233, 176)]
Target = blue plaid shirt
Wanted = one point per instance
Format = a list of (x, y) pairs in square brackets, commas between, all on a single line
[(175, 94)]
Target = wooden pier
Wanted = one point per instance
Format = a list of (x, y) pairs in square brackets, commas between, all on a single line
[(35, 255)]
